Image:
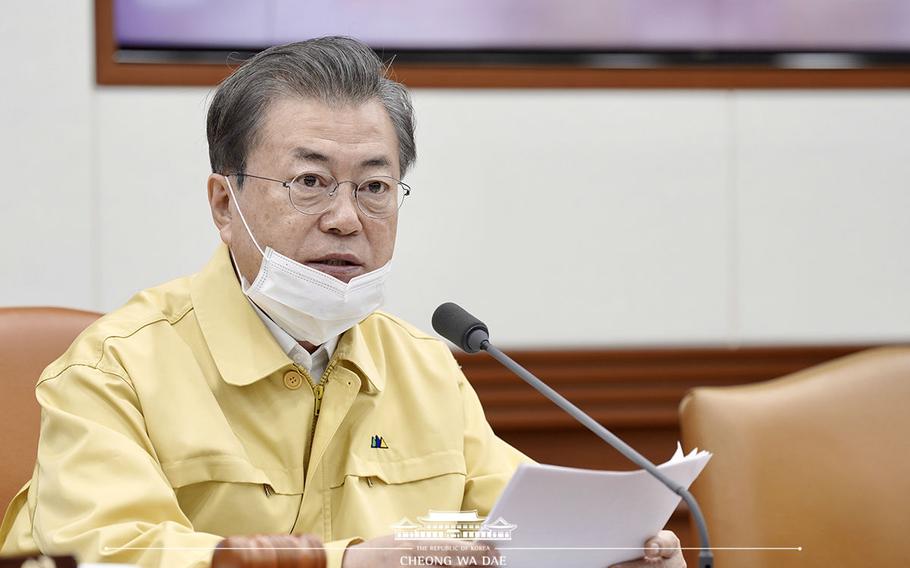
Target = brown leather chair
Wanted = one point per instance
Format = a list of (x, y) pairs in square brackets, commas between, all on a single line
[(819, 459), (30, 338)]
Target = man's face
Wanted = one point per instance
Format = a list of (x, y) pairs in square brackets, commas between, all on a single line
[(302, 135)]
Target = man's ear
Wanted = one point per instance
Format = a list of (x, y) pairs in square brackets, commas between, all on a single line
[(220, 203)]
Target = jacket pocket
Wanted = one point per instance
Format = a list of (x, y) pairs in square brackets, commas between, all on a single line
[(401, 471), (226, 468), (368, 497), (228, 495)]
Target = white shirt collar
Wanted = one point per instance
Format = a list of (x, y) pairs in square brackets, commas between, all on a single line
[(316, 362)]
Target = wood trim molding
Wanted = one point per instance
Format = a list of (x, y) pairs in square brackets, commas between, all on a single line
[(109, 71), (628, 388), (547, 77)]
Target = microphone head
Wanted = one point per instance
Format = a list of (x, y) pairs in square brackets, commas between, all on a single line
[(461, 328)]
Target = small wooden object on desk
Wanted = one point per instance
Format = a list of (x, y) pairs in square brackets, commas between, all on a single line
[(37, 561), (270, 551)]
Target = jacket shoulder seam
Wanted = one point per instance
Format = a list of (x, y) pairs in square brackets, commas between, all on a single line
[(137, 330), (101, 355), (405, 329), (94, 368)]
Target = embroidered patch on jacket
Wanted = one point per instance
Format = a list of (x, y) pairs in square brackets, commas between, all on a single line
[(377, 442)]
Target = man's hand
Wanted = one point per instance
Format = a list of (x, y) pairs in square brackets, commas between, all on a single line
[(662, 551), (385, 551)]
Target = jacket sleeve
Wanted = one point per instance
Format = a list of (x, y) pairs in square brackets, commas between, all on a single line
[(489, 461), (98, 491)]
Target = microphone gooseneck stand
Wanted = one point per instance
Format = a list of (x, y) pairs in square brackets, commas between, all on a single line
[(471, 335), (705, 556)]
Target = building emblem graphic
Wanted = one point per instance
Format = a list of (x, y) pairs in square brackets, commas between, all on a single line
[(459, 525)]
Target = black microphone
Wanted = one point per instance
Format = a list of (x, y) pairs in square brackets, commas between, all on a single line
[(461, 328), (471, 335)]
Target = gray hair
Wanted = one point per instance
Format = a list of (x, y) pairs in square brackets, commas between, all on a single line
[(332, 70)]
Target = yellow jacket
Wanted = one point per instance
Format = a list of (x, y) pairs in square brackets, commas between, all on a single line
[(177, 420)]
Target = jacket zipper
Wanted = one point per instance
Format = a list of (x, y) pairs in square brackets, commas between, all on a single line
[(318, 392)]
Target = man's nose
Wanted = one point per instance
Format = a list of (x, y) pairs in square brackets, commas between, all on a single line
[(343, 215)]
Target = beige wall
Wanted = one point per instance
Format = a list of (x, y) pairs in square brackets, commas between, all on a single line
[(561, 217)]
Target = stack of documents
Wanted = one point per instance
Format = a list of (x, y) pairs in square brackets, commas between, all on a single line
[(578, 518)]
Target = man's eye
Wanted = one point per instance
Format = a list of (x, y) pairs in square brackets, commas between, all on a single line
[(375, 187), (311, 181)]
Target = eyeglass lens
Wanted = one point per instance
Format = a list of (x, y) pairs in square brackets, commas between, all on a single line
[(377, 196)]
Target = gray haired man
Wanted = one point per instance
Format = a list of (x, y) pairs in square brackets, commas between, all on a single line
[(266, 394)]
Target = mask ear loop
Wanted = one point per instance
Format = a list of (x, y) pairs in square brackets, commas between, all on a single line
[(242, 218)]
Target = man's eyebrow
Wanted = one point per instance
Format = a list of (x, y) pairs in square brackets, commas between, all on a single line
[(378, 161), (307, 155)]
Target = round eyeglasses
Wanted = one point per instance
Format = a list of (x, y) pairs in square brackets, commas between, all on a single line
[(312, 193)]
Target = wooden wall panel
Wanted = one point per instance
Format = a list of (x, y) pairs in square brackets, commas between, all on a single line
[(633, 392)]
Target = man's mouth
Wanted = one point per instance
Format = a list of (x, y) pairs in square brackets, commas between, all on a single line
[(342, 267)]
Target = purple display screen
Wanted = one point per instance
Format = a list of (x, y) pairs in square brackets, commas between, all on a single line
[(471, 25)]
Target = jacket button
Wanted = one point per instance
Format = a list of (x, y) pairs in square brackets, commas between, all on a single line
[(293, 380)]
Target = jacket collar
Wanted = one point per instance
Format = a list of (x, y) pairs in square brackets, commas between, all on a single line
[(243, 348), (355, 348)]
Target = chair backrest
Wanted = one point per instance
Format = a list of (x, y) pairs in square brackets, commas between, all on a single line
[(819, 459), (30, 339)]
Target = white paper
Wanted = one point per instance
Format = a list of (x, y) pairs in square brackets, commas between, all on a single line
[(579, 518)]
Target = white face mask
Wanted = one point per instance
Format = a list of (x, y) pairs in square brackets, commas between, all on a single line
[(308, 304)]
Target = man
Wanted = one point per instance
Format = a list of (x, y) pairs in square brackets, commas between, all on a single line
[(265, 394)]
